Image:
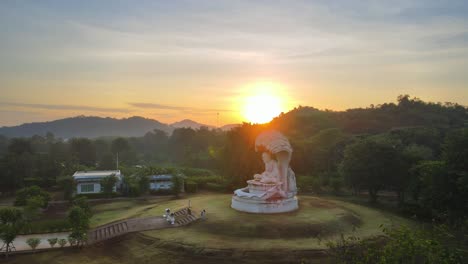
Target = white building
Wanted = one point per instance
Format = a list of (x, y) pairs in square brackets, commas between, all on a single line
[(162, 182), (90, 181)]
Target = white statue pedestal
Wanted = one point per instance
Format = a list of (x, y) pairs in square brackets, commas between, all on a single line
[(250, 200), (258, 206)]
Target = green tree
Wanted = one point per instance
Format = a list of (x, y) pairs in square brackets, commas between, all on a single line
[(84, 151), (177, 184), (11, 221), (83, 203), (107, 162), (79, 221), (33, 242), (32, 207), (370, 163), (24, 194), (108, 185)]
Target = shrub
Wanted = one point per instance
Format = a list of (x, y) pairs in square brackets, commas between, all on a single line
[(52, 241), (202, 181), (98, 195), (216, 187), (403, 245), (191, 187), (33, 242), (24, 194), (71, 240), (62, 242), (46, 226), (195, 172), (177, 184)]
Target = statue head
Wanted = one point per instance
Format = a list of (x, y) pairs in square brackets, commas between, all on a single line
[(266, 157)]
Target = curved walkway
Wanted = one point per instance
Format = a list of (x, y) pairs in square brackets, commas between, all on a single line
[(108, 231)]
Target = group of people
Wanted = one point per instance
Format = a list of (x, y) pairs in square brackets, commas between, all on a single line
[(170, 217)]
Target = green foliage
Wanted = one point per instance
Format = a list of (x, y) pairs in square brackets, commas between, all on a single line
[(52, 241), (191, 187), (33, 204), (371, 163), (33, 242), (83, 203), (98, 195), (79, 219), (72, 240), (46, 226), (11, 221), (401, 245), (62, 242), (137, 184), (40, 196), (68, 185), (177, 184), (108, 184)]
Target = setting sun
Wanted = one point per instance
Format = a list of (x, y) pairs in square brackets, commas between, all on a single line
[(262, 108)]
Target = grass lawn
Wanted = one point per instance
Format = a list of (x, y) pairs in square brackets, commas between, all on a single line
[(316, 221), (234, 234), (107, 212)]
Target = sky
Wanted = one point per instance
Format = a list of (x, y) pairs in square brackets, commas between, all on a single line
[(202, 60)]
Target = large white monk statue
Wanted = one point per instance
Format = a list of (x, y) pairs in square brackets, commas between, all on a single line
[(274, 190)]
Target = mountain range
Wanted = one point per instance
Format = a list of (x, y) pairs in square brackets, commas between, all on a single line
[(93, 127)]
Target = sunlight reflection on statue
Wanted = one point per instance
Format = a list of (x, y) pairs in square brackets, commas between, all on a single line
[(271, 173)]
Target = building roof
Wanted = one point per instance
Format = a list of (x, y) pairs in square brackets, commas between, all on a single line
[(82, 175)]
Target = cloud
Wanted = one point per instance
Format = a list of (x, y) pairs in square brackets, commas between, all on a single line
[(185, 109), (66, 107)]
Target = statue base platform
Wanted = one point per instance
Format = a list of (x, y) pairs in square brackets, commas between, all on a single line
[(249, 205)]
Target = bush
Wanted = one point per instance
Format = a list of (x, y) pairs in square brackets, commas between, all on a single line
[(161, 192), (203, 181), (33, 242), (98, 195), (62, 242), (52, 241), (216, 187), (191, 187), (195, 172), (403, 245), (24, 194), (336, 183), (46, 226), (72, 241)]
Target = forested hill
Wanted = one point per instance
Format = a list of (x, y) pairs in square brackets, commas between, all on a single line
[(303, 122), (90, 127)]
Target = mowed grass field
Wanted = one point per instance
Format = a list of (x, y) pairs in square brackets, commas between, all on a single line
[(317, 221)]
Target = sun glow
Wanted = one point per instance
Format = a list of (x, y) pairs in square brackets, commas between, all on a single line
[(262, 107)]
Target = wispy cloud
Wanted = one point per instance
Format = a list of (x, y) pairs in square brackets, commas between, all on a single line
[(177, 108), (66, 107)]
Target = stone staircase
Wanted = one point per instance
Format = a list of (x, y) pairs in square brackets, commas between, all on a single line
[(125, 226)]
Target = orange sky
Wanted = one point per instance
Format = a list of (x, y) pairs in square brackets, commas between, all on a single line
[(171, 60)]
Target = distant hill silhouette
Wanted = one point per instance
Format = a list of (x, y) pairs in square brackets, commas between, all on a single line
[(189, 123), (87, 126), (94, 127)]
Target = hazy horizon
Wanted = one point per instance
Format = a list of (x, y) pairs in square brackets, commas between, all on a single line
[(178, 60)]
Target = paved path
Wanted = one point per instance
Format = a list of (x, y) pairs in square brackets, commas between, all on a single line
[(110, 230), (21, 245)]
